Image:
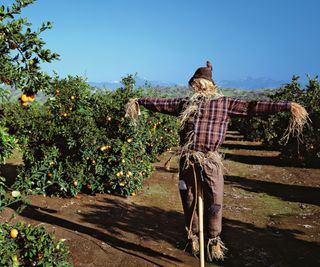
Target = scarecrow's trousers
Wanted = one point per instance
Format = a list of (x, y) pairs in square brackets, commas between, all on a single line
[(212, 181)]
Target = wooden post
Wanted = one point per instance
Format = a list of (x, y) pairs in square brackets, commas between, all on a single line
[(200, 217)]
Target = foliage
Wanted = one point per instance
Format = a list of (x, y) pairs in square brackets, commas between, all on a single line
[(28, 245), (271, 129), (80, 140), (4, 94), (7, 144), (161, 91), (22, 50), (7, 195)]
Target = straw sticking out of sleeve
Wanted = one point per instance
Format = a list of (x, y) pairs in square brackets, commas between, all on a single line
[(299, 119), (133, 110)]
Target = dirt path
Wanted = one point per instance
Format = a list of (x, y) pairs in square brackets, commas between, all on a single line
[(271, 216)]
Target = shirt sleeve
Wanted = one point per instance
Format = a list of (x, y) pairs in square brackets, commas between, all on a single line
[(170, 106), (242, 107)]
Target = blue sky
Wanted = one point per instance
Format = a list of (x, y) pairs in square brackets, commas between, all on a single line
[(167, 40)]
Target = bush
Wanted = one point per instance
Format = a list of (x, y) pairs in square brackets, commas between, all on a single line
[(271, 129), (80, 140), (28, 245)]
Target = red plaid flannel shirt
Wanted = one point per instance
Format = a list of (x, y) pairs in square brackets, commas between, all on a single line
[(212, 116)]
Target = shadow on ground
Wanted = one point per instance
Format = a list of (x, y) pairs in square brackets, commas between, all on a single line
[(252, 246), (114, 220), (273, 161), (294, 193), (118, 218)]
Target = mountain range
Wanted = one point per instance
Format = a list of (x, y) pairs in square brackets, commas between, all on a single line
[(139, 82), (248, 83)]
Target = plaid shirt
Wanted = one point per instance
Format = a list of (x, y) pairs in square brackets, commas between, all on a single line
[(211, 119)]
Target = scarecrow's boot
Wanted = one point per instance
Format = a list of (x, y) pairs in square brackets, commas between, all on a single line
[(216, 249)]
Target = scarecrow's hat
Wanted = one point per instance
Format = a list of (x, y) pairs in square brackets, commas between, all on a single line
[(203, 72)]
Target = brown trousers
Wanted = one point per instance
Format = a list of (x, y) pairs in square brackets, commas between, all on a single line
[(211, 176)]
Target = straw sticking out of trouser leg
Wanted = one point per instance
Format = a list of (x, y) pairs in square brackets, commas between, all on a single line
[(299, 119), (219, 250), (133, 110), (216, 249)]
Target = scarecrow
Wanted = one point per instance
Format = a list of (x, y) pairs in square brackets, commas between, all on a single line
[(204, 118)]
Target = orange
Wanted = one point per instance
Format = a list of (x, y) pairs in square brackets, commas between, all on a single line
[(24, 98), (14, 233), (31, 98)]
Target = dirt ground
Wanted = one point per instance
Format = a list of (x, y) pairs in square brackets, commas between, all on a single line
[(271, 216)]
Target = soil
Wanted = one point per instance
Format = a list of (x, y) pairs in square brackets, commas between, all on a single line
[(271, 215)]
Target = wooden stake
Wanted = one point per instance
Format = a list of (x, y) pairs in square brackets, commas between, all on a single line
[(200, 217)]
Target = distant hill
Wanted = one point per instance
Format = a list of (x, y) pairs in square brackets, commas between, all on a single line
[(252, 83), (248, 83), (139, 82)]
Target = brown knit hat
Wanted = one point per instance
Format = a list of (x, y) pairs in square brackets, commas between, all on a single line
[(203, 72)]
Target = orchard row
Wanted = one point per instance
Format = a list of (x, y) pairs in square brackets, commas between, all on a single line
[(271, 129), (80, 140)]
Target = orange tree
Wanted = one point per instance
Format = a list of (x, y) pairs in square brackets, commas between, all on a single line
[(271, 129), (307, 148), (21, 51), (80, 140)]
